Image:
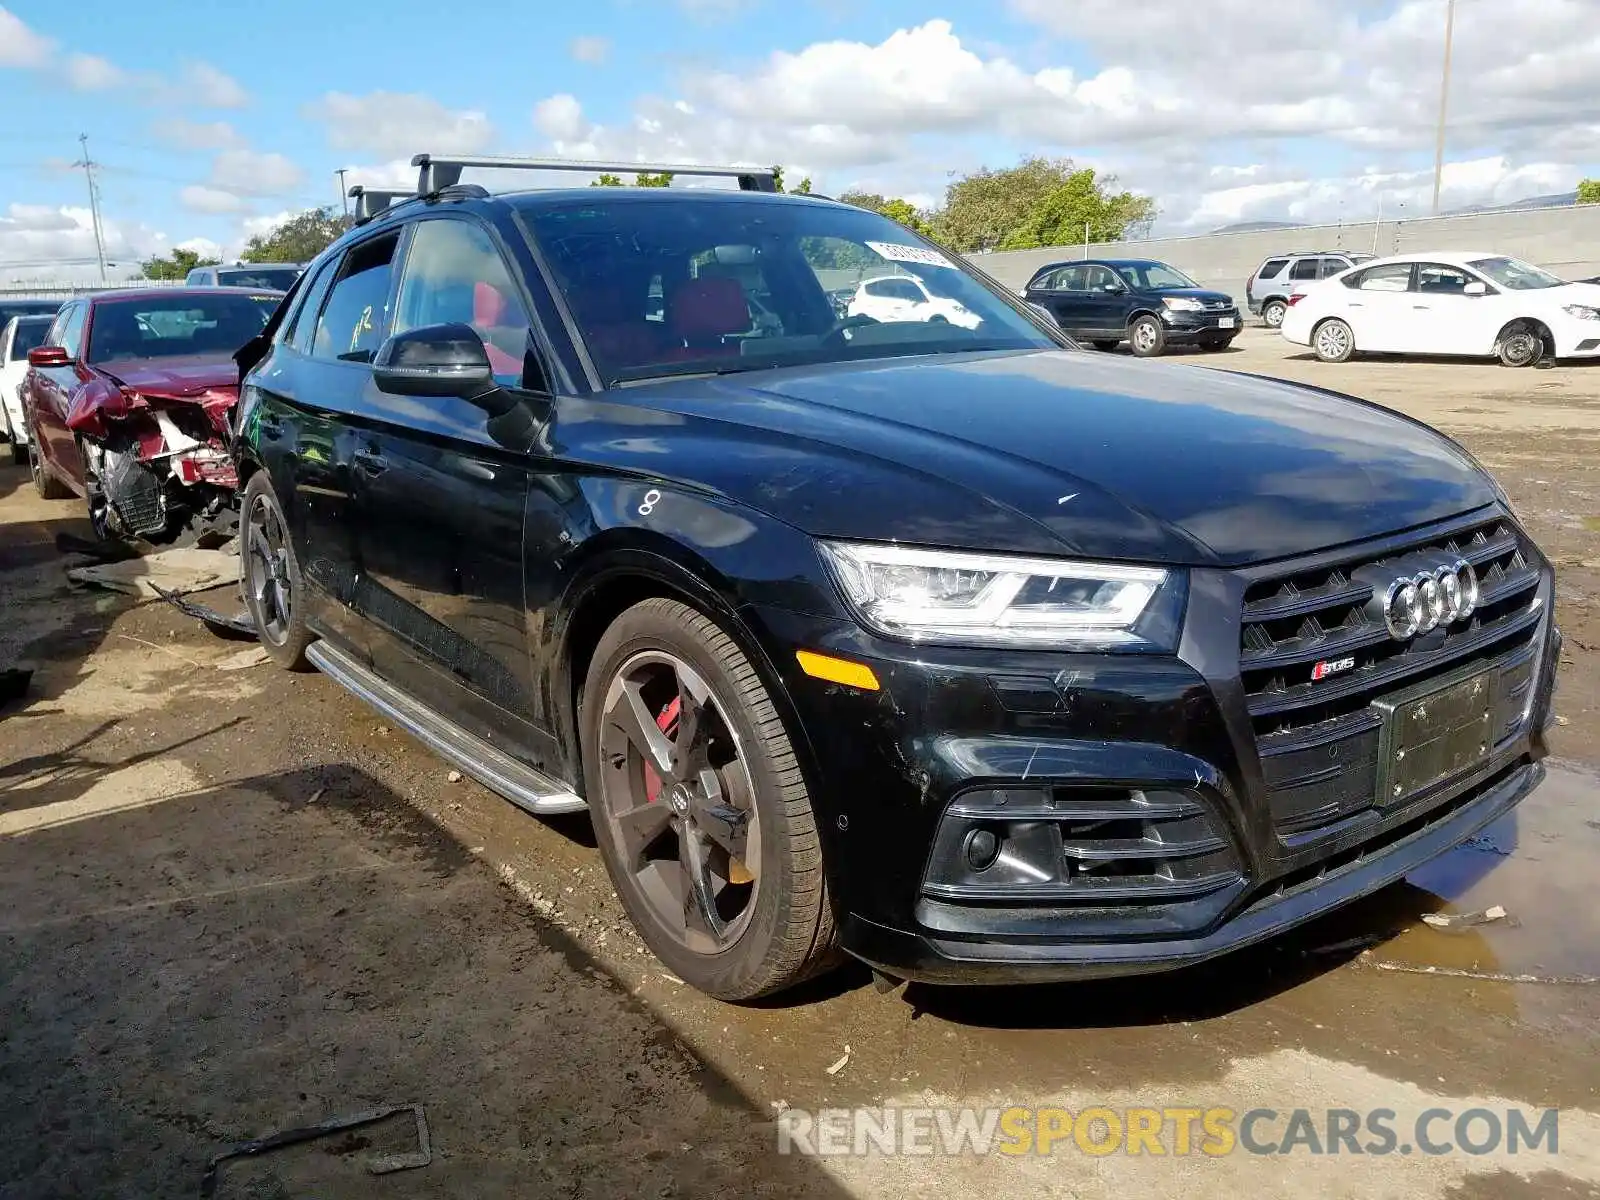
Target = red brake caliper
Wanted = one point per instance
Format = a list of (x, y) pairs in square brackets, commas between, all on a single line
[(668, 724)]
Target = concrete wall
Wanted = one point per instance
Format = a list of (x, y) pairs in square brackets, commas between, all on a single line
[(1565, 241)]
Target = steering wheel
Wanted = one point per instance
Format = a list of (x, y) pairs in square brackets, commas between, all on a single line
[(841, 326)]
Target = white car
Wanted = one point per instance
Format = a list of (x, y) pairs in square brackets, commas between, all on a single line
[(20, 335), (907, 298), (1471, 304)]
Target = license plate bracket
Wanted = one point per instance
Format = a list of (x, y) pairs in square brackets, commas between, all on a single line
[(1434, 732)]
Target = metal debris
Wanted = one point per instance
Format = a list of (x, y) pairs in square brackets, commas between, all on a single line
[(1463, 920), (382, 1164), (176, 570), (843, 1059), (238, 623)]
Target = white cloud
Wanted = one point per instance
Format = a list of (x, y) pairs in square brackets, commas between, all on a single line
[(590, 49), (204, 247), (197, 135), (392, 123), (252, 226), (201, 199), (560, 118), (41, 243), (209, 87), (19, 45), (253, 173), (91, 73)]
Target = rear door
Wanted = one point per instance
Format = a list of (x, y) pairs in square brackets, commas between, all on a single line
[(445, 485), (1379, 308)]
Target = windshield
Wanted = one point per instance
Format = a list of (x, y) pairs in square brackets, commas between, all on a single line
[(30, 333), (677, 286), (1154, 277), (1515, 275), (176, 326), (278, 278)]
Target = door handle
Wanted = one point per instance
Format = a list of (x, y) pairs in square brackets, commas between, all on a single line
[(1421, 307), (370, 462)]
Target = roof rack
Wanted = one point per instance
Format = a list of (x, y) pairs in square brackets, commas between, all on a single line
[(372, 201), (438, 171)]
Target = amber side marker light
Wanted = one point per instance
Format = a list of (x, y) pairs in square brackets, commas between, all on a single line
[(837, 670)]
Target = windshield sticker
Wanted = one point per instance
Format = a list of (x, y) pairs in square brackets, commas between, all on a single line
[(909, 254)]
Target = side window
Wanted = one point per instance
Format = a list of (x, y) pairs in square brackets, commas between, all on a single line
[(1389, 277), (1331, 266), (1070, 279), (1440, 280), (904, 289), (1270, 269), (68, 332), (303, 323), (1304, 268), (1097, 279), (352, 323), (455, 275)]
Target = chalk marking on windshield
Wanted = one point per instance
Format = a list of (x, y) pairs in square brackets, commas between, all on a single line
[(1064, 499)]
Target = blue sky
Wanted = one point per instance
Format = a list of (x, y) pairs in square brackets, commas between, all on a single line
[(1304, 109)]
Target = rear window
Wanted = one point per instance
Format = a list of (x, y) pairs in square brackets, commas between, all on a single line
[(176, 326), (278, 278), (29, 334)]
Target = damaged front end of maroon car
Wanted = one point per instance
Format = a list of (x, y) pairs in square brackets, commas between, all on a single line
[(155, 450)]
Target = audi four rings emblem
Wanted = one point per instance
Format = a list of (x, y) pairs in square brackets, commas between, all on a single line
[(1415, 604)]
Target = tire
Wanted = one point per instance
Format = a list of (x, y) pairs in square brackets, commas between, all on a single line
[(19, 450), (44, 483), (1333, 341), (770, 924), (1105, 343), (1147, 338), (1520, 346), (270, 578), (1272, 313)]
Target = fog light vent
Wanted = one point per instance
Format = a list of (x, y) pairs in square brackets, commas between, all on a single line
[(1090, 845)]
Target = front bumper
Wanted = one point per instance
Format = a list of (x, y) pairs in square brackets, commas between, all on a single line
[(1184, 327), (1256, 845)]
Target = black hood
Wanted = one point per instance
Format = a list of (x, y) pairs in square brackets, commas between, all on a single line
[(1204, 295), (1044, 452)]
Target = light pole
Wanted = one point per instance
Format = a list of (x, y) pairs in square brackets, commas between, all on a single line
[(344, 197), (1444, 100)]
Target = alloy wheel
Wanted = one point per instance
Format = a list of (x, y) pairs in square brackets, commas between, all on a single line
[(1144, 337), (268, 585), (1333, 341), (678, 798)]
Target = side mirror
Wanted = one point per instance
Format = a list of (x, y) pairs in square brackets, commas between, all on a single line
[(435, 360), (1476, 288), (1113, 288), (48, 356)]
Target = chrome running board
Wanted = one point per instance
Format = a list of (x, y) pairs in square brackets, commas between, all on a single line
[(517, 782)]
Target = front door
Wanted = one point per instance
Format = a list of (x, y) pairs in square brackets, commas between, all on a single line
[(1449, 321), (52, 395), (444, 484), (1104, 303)]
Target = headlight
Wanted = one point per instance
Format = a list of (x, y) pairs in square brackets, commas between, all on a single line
[(1182, 304), (945, 596), (1582, 311)]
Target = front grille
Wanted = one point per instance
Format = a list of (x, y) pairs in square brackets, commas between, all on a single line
[(1073, 844), (1319, 739)]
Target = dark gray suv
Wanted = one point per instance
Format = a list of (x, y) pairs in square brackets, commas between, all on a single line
[(1275, 280)]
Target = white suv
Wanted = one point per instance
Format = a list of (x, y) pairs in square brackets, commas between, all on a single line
[(907, 298), (1274, 281)]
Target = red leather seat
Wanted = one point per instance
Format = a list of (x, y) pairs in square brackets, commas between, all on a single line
[(497, 318), (701, 313)]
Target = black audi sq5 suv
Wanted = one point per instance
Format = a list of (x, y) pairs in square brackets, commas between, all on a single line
[(941, 644)]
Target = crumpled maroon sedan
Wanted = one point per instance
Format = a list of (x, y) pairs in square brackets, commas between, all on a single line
[(128, 401)]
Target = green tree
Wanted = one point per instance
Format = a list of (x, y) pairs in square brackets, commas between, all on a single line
[(645, 179), (606, 180), (1589, 191), (1039, 198), (894, 208), (802, 189), (299, 239), (176, 266), (1082, 203)]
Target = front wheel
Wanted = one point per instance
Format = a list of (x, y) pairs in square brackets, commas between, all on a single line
[(270, 576), (1521, 347), (700, 809), (1333, 341), (1147, 337), (44, 483)]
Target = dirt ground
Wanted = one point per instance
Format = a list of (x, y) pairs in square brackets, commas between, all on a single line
[(235, 902)]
